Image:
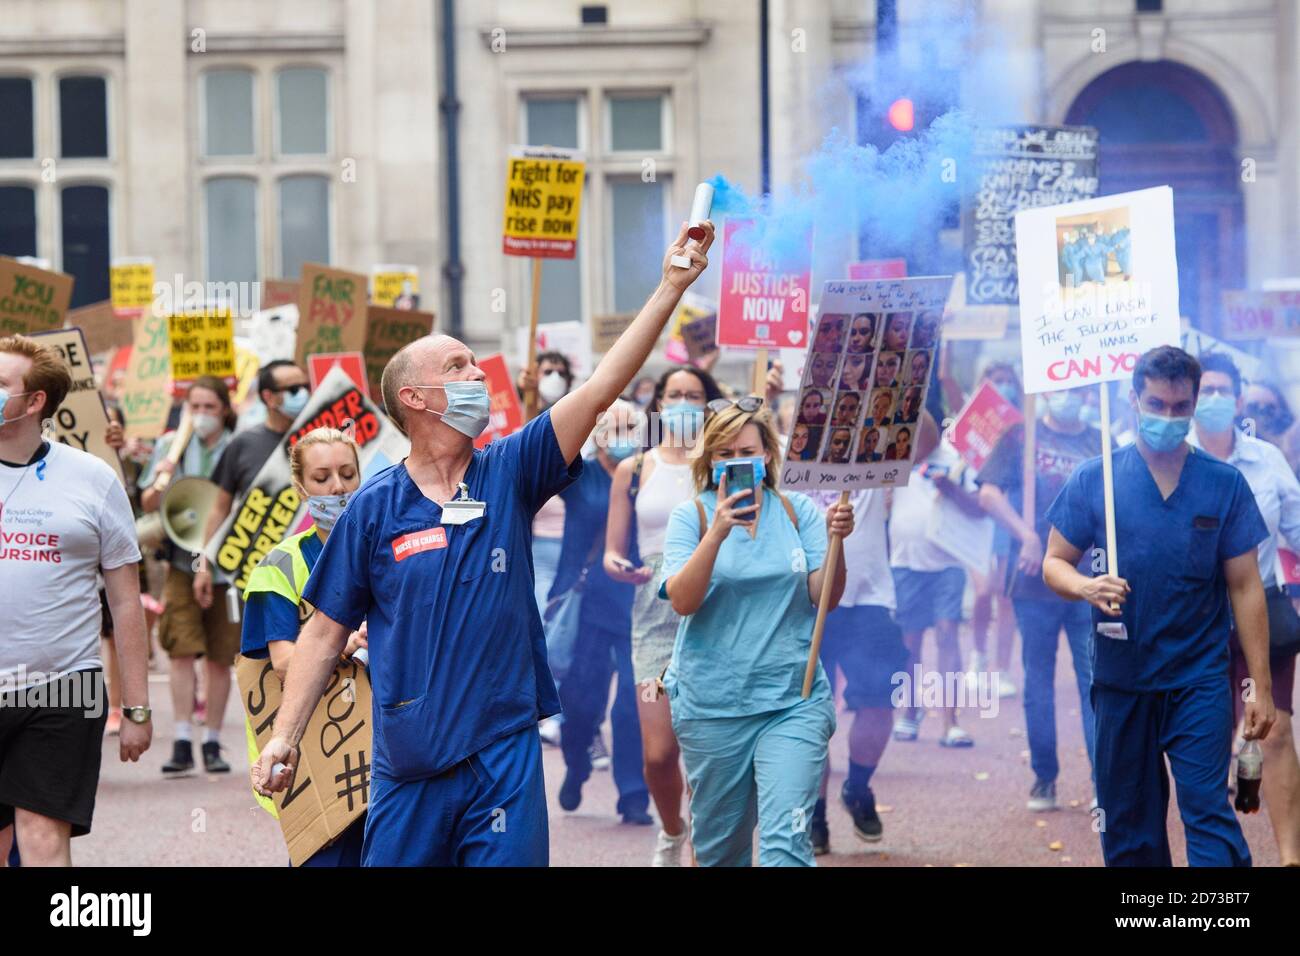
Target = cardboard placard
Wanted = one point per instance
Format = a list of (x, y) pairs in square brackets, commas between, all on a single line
[(878, 269), (31, 300), (507, 413), (202, 343), (1020, 167), (331, 785), (272, 509), (278, 292), (700, 336), (103, 329), (387, 331), (353, 365), (606, 329), (146, 396), (389, 283), (690, 307), (763, 304), (331, 312), (980, 425), (543, 202), (1098, 287), (130, 282), (246, 369), (864, 383), (81, 420), (1251, 315)]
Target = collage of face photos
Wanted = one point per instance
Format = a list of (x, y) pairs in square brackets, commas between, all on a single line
[(864, 383)]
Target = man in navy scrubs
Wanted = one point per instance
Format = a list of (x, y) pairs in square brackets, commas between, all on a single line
[(1186, 527), (457, 654)]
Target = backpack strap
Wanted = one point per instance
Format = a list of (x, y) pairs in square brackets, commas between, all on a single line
[(789, 510), (635, 485), (699, 510)]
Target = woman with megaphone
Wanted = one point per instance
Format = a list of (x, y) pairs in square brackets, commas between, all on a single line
[(326, 469), (187, 631)]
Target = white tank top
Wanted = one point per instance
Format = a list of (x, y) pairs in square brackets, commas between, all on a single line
[(665, 488)]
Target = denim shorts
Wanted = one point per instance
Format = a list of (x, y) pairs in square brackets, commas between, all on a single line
[(927, 597), (866, 644)]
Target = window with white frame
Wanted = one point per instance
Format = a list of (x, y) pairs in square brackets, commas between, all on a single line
[(266, 167), (64, 166), (630, 162)]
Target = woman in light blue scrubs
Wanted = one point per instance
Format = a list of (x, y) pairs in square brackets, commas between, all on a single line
[(746, 581)]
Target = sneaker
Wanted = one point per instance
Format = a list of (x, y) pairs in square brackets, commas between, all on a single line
[(638, 818), (956, 737), (819, 830), (1043, 797), (570, 793), (668, 849), (599, 753), (182, 758), (905, 728), (212, 761), (1006, 688), (113, 725), (550, 731), (866, 822)]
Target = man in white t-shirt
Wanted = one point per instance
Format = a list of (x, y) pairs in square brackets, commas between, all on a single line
[(64, 520)]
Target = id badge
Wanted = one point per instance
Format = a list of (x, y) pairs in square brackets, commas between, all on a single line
[(464, 509)]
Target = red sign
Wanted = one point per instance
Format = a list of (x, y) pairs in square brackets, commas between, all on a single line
[(764, 304), (981, 424), (430, 539), (507, 415), (1290, 562), (878, 269), (352, 363)]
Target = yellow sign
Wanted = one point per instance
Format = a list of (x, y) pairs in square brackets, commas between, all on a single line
[(246, 367), (131, 284), (388, 283), (203, 343), (145, 397), (543, 201)]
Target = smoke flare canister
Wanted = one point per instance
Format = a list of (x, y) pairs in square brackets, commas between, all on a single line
[(361, 656), (701, 207)]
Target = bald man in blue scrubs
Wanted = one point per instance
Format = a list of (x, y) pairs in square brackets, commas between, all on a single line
[(457, 654), (1187, 527)]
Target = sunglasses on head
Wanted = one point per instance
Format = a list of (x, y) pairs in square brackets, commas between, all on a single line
[(750, 403)]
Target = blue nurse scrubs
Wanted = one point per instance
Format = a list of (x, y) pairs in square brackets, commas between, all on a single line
[(1164, 692), (457, 656)]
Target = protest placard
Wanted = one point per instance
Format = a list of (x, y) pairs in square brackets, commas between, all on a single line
[(700, 337), (543, 202), (690, 307), (877, 269), (31, 299), (278, 292), (247, 366), (146, 395), (103, 329), (82, 418), (507, 413), (1251, 315), (391, 283), (980, 425), (202, 343), (1199, 344), (864, 383), (963, 322), (353, 365), (331, 785), (387, 331), (1020, 167), (272, 509), (606, 329), (763, 303), (331, 312), (130, 283), (1098, 287), (570, 339), (273, 332)]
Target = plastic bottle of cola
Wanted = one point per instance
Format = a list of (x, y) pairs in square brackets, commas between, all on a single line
[(1250, 771)]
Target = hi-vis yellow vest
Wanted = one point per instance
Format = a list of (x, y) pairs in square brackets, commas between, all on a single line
[(284, 572)]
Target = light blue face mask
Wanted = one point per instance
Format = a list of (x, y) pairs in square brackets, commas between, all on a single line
[(294, 402), (1215, 413), (469, 409), (326, 509), (1162, 434), (682, 418), (760, 469), (4, 401), (1008, 391), (1065, 406), (621, 450)]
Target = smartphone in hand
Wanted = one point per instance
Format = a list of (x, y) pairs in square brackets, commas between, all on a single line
[(740, 477), (625, 565)]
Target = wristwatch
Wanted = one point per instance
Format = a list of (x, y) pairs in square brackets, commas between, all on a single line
[(137, 715)]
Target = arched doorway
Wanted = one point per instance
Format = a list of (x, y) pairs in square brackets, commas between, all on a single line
[(1163, 123)]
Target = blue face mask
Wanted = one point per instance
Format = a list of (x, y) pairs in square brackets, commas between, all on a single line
[(1065, 406), (469, 409), (682, 418), (1162, 434), (621, 450), (1008, 391), (1215, 413), (4, 400), (326, 509), (760, 469), (294, 402)]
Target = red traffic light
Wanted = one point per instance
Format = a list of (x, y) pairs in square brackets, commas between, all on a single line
[(902, 115)]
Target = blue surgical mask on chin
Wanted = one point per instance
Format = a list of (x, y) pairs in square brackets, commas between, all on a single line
[(760, 469), (1215, 413), (326, 509), (1162, 434), (294, 402), (469, 408)]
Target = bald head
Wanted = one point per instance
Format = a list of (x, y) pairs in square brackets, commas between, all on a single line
[(431, 360)]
